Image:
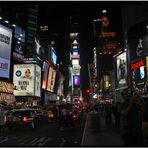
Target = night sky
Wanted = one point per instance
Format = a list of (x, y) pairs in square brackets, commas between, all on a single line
[(56, 15)]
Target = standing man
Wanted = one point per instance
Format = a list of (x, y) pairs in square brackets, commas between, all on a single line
[(129, 110)]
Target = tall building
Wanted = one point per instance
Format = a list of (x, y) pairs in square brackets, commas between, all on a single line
[(24, 17), (74, 68)]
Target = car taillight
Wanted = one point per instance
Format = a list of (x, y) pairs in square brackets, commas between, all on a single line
[(24, 119), (74, 116), (5, 119)]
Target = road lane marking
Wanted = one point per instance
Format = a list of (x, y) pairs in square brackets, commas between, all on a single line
[(38, 141), (46, 140), (33, 140), (5, 139)]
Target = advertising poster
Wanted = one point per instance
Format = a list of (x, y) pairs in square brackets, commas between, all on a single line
[(138, 47), (38, 81), (49, 78), (5, 51), (53, 77), (45, 75), (53, 57), (76, 81), (121, 73), (23, 79)]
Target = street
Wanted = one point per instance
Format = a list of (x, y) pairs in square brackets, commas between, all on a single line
[(48, 134)]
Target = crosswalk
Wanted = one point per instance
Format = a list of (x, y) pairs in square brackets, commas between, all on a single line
[(37, 141), (3, 139)]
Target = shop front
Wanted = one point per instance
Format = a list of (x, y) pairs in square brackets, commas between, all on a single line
[(138, 47), (139, 69), (6, 93)]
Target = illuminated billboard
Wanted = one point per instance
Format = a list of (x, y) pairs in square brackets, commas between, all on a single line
[(45, 75), (26, 79), (75, 62), (76, 81), (121, 71), (5, 51), (53, 57), (53, 80), (139, 73), (49, 78)]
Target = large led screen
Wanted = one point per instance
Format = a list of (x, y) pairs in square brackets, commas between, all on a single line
[(76, 81), (121, 71), (23, 79), (5, 51)]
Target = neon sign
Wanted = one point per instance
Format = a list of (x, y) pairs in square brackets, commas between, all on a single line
[(137, 64)]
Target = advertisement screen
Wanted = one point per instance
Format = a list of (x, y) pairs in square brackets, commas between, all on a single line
[(53, 77), (75, 62), (142, 72), (121, 73), (38, 81), (76, 81), (23, 79), (138, 47), (49, 78), (45, 75), (5, 51), (53, 57), (138, 69)]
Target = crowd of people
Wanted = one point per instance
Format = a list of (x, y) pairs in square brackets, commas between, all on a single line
[(129, 115)]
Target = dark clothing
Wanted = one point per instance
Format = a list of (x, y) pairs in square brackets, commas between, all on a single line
[(145, 112), (131, 121), (132, 134), (108, 114), (116, 114)]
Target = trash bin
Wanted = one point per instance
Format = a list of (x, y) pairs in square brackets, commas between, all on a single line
[(95, 121)]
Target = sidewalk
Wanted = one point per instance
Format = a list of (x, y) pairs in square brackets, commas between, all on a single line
[(95, 136)]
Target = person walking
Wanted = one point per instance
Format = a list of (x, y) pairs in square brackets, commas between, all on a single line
[(108, 114), (116, 113), (131, 128)]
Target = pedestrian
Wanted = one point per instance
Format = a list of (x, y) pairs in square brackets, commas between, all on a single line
[(129, 109), (108, 114), (145, 123), (116, 113)]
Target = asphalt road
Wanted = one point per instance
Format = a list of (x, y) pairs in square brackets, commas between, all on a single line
[(48, 134)]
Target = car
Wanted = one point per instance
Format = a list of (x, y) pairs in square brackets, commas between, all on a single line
[(21, 117)]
